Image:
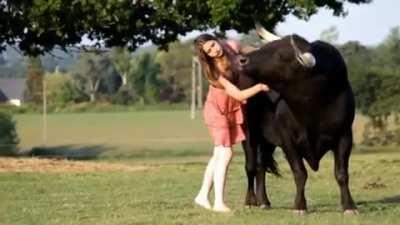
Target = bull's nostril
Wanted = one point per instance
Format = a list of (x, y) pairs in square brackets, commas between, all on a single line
[(243, 60)]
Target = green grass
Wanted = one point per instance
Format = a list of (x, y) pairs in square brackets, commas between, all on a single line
[(177, 149), (163, 195), (129, 136)]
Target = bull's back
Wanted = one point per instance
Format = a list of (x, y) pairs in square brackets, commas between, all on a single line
[(337, 114), (330, 62)]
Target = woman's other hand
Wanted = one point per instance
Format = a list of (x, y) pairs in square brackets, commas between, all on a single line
[(263, 87)]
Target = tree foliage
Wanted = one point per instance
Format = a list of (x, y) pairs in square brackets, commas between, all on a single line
[(89, 72), (176, 69), (330, 35), (375, 76), (145, 81), (124, 64), (8, 135), (61, 90), (38, 26)]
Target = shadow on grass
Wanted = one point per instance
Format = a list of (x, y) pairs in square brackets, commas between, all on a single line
[(70, 152), (364, 206), (388, 200), (101, 152)]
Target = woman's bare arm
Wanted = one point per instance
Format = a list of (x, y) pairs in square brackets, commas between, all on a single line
[(241, 95)]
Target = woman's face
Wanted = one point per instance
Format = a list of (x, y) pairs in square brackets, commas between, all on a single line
[(212, 48)]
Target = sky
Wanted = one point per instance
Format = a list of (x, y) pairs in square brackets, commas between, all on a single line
[(367, 23)]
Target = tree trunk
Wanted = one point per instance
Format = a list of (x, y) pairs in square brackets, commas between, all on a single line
[(93, 87)]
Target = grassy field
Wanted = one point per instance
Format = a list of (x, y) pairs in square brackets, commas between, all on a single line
[(147, 167), (132, 135), (118, 136), (162, 194)]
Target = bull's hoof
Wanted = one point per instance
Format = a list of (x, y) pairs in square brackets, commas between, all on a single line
[(251, 200), (265, 206), (351, 212), (300, 212)]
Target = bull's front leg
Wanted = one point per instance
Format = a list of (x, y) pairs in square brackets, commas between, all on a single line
[(342, 155)]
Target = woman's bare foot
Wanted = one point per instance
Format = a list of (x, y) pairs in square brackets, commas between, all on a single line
[(221, 208), (352, 212), (300, 212), (203, 202)]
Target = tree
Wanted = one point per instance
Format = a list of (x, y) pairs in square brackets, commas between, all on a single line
[(386, 63), (145, 81), (124, 63), (60, 89), (330, 35), (359, 60), (38, 26), (8, 135), (89, 71), (34, 80), (387, 53), (176, 67), (375, 73)]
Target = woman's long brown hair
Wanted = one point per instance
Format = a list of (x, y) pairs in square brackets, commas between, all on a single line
[(207, 63)]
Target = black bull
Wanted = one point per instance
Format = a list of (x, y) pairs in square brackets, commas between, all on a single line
[(312, 115)]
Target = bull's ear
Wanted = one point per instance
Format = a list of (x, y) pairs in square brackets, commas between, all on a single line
[(306, 59)]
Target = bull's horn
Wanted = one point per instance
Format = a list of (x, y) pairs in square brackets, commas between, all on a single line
[(264, 34), (306, 59)]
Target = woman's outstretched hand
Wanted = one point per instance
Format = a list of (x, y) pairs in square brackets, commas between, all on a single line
[(263, 87)]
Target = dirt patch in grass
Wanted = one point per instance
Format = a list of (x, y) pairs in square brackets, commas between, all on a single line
[(61, 165)]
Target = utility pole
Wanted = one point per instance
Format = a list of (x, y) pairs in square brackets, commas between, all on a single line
[(44, 113), (193, 99), (199, 86)]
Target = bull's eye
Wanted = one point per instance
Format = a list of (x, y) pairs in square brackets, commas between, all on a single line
[(281, 56)]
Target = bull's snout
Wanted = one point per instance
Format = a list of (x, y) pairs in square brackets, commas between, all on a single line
[(242, 60)]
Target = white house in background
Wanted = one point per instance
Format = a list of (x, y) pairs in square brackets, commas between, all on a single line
[(12, 90)]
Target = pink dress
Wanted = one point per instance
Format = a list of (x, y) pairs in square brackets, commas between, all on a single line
[(224, 118), (222, 113)]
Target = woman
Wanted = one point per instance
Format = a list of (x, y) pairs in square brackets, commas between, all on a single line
[(222, 112)]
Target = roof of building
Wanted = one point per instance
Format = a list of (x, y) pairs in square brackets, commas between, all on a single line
[(12, 88)]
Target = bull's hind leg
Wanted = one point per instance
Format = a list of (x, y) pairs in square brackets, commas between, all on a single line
[(250, 167), (342, 155), (261, 194), (300, 177)]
